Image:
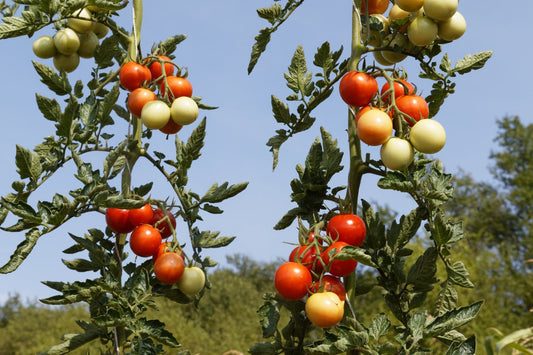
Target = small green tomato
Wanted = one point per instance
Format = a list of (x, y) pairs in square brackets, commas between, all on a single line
[(192, 281), (397, 153), (184, 110), (428, 136)]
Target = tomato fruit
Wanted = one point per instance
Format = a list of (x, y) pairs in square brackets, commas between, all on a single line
[(292, 280), (192, 281), (413, 106), (175, 87), (88, 44), (155, 114), (44, 47), (305, 255), (66, 41), (145, 240), (133, 75), (400, 87), (141, 215), (374, 6), (324, 309), (100, 30), (338, 267), (357, 89), (440, 10), (422, 31), (397, 153), (348, 228), (156, 68), (81, 22), (410, 5), (160, 221), (374, 127), (169, 268), (428, 136), (138, 98), (374, 37), (184, 110), (68, 63), (332, 284), (171, 127), (452, 28), (400, 41), (378, 56), (118, 220)]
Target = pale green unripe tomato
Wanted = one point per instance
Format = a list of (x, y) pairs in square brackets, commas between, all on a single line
[(422, 31), (428, 136), (155, 114), (397, 153), (67, 41), (409, 5), (44, 47), (453, 28), (375, 37), (67, 63), (440, 10), (81, 22), (192, 281), (100, 30), (401, 41), (378, 56), (184, 110), (88, 44)]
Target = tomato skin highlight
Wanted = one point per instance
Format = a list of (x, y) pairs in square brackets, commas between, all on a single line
[(175, 87), (169, 268), (145, 240), (338, 267), (348, 228), (141, 215), (357, 89), (132, 75), (118, 221), (292, 280)]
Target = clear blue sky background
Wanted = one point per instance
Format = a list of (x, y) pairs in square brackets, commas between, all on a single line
[(220, 36)]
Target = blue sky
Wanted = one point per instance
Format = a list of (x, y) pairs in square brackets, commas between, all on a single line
[(220, 36)]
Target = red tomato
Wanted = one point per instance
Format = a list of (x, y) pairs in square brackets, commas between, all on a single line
[(399, 90), (348, 228), (132, 75), (163, 248), (145, 240), (332, 284), (338, 267), (118, 221), (171, 127), (305, 255), (374, 6), (357, 89), (169, 267), (157, 72), (160, 222), (292, 280), (142, 215), (138, 98), (414, 106), (175, 87)]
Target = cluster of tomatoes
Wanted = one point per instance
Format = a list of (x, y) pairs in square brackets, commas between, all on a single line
[(417, 23), (313, 271), (80, 38), (168, 111), (375, 123), (149, 227)]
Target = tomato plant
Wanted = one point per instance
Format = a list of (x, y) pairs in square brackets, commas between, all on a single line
[(335, 266)]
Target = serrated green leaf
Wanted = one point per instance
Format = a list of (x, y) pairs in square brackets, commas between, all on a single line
[(288, 218), (354, 253), (513, 338), (447, 299), (22, 251), (170, 44), (331, 156), (467, 347), (111, 159), (298, 78), (156, 329), (458, 274), (209, 239), (271, 14), (472, 62), (108, 104), (74, 341), (445, 64), (416, 325), (445, 231), (28, 163), (212, 209), (49, 108), (25, 25), (275, 143), (59, 84), (280, 110), (379, 327), (396, 181), (261, 42), (269, 316), (219, 193), (422, 273), (81, 265), (453, 319)]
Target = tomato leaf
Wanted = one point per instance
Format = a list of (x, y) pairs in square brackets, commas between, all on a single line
[(452, 319), (74, 341), (57, 83), (422, 273), (49, 108), (208, 239), (269, 314), (28, 164), (23, 249), (472, 62), (458, 274), (219, 193), (170, 44), (467, 347), (379, 327)]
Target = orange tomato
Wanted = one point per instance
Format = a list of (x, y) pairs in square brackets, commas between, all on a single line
[(374, 127), (374, 6)]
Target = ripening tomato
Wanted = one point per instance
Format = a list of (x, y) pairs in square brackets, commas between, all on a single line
[(305, 255), (357, 89), (374, 127), (452, 28), (348, 228), (398, 41), (161, 221), (141, 215), (68, 63), (156, 68), (410, 5), (133, 75), (100, 30), (400, 88), (440, 10), (118, 220), (66, 41), (81, 22), (324, 309), (374, 6), (292, 280), (413, 106), (422, 31), (155, 114), (169, 268), (171, 127), (88, 44), (428, 136), (184, 110), (44, 47), (175, 87), (338, 267), (330, 283), (192, 281), (397, 153), (138, 98), (145, 240), (368, 108)]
